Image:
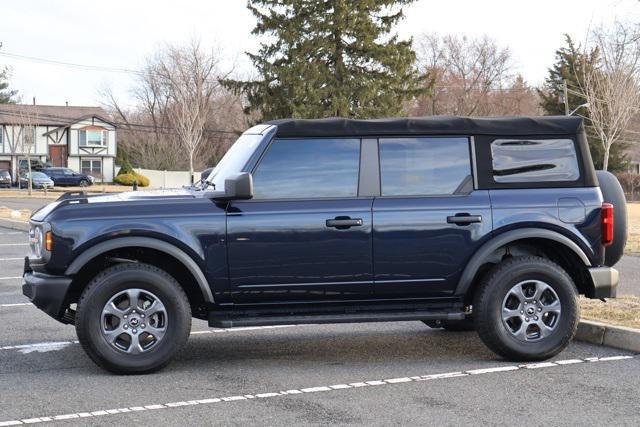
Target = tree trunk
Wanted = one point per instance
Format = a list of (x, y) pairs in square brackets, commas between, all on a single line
[(191, 166), (605, 160)]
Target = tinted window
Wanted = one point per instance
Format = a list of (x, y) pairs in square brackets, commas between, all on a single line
[(424, 166), (543, 160), (308, 168)]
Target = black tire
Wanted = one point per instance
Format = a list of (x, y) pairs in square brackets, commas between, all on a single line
[(452, 325), (613, 193), (488, 305), (117, 279), (84, 183)]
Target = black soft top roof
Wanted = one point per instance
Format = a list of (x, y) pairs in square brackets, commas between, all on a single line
[(433, 125)]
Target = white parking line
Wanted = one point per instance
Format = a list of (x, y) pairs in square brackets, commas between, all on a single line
[(59, 345), (11, 278), (12, 233), (14, 244), (12, 259), (306, 390), (18, 304)]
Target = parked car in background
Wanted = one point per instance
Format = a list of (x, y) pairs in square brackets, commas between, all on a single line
[(36, 165), (39, 180), (5, 179), (66, 176)]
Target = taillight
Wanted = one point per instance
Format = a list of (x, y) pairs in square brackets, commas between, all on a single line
[(606, 221)]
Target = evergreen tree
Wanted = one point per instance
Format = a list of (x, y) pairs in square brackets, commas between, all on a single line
[(6, 95), (570, 67), (328, 58)]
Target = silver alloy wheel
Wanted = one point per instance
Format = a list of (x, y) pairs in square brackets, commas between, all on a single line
[(531, 310), (134, 321)]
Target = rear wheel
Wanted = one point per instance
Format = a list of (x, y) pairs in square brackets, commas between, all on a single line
[(133, 319), (526, 309)]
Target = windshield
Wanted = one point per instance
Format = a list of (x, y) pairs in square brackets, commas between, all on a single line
[(38, 175), (234, 160)]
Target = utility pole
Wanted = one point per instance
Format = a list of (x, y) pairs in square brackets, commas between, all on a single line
[(566, 97)]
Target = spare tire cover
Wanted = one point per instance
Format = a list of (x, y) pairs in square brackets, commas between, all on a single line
[(613, 193)]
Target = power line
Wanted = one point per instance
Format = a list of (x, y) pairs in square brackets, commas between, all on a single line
[(70, 64), (137, 127)]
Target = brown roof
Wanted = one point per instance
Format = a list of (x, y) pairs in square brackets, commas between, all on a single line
[(47, 115)]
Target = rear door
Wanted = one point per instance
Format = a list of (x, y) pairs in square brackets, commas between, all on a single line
[(306, 234), (429, 219)]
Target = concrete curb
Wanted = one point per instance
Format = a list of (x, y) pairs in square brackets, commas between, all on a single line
[(14, 224), (611, 336)]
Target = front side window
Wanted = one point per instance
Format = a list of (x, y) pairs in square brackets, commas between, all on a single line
[(93, 137), (539, 160), (308, 169), (424, 166)]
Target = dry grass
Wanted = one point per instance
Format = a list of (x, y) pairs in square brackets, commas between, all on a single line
[(18, 215), (633, 241), (622, 311)]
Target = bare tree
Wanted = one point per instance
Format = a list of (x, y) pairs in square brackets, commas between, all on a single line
[(611, 89), (192, 78), (182, 116), (22, 137), (470, 76)]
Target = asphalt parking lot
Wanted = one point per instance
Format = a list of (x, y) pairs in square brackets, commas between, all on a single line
[(376, 374)]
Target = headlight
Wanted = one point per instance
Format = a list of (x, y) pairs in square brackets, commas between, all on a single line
[(40, 241)]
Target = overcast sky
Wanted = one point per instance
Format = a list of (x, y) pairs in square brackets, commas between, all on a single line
[(122, 33)]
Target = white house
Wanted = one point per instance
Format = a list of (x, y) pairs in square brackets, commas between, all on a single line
[(80, 138)]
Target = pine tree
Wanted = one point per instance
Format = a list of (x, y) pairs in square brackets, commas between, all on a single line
[(569, 67), (6, 95), (328, 58)]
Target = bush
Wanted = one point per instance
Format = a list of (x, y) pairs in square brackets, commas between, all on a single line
[(129, 178), (125, 168)]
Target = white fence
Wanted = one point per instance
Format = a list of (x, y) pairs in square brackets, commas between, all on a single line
[(165, 179)]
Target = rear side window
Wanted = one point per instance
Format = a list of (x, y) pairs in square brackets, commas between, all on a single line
[(539, 160), (308, 169), (424, 166)]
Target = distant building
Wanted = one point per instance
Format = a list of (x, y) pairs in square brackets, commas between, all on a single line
[(80, 138)]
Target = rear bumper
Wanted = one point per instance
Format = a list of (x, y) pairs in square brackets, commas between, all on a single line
[(605, 282), (47, 292)]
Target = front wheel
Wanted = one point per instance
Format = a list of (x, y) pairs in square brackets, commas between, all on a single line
[(133, 319), (526, 309), (84, 183)]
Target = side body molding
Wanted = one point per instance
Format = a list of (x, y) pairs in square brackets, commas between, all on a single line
[(488, 248), (145, 242)]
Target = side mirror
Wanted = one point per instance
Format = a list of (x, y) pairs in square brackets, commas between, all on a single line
[(238, 186)]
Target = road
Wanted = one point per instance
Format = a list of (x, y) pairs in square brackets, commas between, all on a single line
[(376, 374)]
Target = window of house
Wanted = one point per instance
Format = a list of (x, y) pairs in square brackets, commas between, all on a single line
[(92, 167), (424, 166), (308, 169), (93, 137), (539, 160)]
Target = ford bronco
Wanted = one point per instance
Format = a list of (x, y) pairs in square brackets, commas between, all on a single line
[(492, 224)]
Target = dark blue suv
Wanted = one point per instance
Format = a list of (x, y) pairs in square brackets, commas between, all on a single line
[(492, 224), (66, 176)]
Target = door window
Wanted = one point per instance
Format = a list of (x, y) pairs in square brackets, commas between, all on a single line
[(425, 166), (308, 169)]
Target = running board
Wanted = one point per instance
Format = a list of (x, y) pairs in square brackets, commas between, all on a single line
[(223, 320)]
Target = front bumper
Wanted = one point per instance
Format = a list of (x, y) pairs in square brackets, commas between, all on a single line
[(605, 282), (47, 292)]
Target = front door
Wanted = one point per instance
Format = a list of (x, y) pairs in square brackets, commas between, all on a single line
[(306, 235), (58, 155), (429, 220)]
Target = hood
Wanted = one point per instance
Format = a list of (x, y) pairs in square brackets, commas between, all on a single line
[(69, 199)]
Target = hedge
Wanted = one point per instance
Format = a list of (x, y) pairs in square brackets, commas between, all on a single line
[(129, 178)]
